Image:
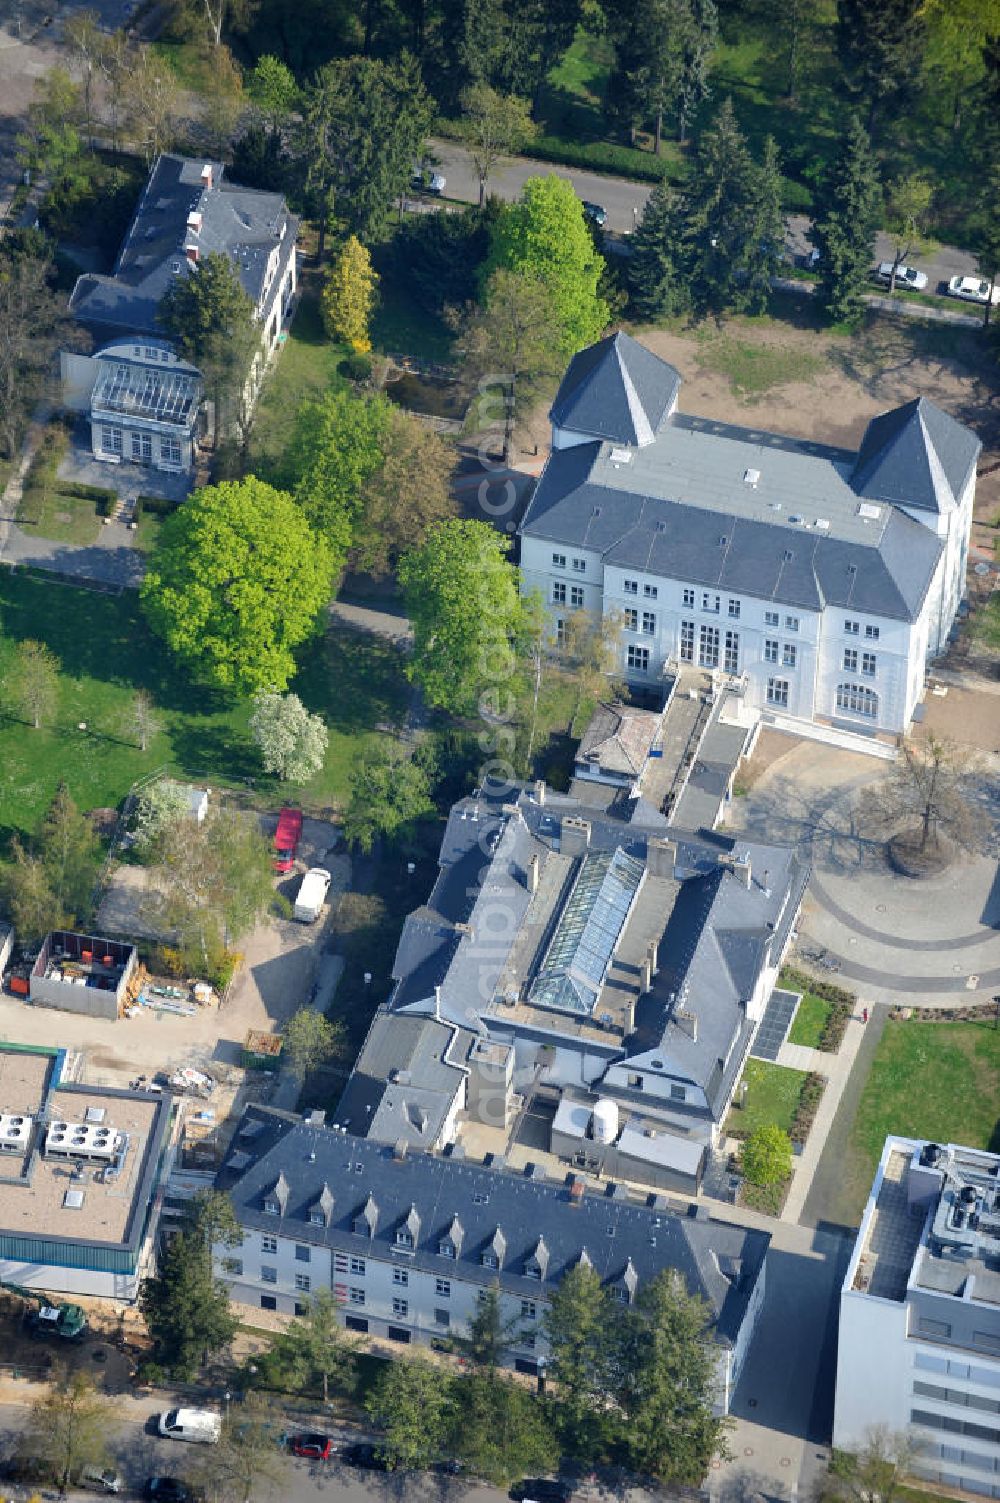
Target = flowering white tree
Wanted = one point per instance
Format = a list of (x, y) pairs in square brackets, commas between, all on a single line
[(292, 742)]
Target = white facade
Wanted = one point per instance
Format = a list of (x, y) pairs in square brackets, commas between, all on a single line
[(391, 1300), (859, 672), (913, 1356)]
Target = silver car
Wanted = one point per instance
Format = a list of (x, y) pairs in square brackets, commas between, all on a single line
[(906, 276), (973, 290)]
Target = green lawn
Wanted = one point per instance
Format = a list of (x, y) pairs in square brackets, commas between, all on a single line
[(754, 369), (809, 1021), (305, 368), (45, 508), (400, 325), (930, 1080), (106, 652), (772, 1097)]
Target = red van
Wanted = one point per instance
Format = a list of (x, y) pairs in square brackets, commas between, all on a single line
[(286, 838)]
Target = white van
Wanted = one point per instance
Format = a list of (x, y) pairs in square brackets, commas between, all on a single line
[(201, 1425), (311, 895)]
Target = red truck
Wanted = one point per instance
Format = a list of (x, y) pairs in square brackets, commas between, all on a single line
[(286, 838)]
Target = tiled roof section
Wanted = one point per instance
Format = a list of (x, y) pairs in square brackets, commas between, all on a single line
[(682, 509), (618, 390), (372, 1186), (241, 223), (916, 455), (619, 738)]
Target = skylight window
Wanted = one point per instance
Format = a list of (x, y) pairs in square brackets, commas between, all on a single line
[(588, 930)]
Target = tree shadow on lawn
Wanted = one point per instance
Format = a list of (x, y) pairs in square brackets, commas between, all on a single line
[(210, 751), (355, 680)]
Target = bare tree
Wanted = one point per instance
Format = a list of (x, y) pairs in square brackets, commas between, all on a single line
[(35, 682), (924, 804), (142, 719), (493, 125), (151, 101), (591, 647), (85, 37), (245, 1457), (876, 1473), (512, 343)]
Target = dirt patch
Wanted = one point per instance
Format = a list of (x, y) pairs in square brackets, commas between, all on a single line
[(790, 376), (966, 715), (771, 747)]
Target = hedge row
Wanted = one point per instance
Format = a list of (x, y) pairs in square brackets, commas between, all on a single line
[(801, 981), (805, 1113), (99, 493), (158, 506)]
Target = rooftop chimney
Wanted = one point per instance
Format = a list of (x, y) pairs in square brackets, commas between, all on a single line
[(654, 956), (741, 869), (661, 856), (191, 251), (206, 175), (540, 791), (194, 221), (575, 836), (647, 972), (532, 878), (689, 1022)]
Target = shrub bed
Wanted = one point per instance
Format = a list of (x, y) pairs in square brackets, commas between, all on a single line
[(99, 493), (842, 1004), (805, 1113)]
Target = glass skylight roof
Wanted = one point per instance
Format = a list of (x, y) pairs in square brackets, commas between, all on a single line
[(578, 957), (168, 396)]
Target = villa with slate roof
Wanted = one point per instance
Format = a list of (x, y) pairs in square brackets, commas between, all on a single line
[(409, 1240), (815, 583), (143, 401), (593, 959)]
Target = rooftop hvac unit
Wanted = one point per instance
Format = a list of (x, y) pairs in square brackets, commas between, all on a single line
[(15, 1132), (81, 1140)]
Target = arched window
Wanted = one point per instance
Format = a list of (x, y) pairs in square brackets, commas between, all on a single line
[(858, 700)]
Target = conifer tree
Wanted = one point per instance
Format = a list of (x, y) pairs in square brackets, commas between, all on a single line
[(845, 225), (766, 237), (719, 213), (657, 282)]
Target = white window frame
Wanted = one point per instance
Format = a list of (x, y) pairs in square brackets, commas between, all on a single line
[(637, 658), (777, 693)]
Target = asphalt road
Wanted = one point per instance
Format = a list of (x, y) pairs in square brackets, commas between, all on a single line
[(624, 201), (139, 1453)]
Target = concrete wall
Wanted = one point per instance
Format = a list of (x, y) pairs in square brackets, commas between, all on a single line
[(78, 373), (89, 1001)]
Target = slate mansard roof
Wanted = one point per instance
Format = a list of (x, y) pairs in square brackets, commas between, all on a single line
[(447, 1198), (616, 389), (713, 931), (740, 509), (244, 224)]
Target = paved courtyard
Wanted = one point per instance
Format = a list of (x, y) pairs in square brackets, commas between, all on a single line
[(898, 941)]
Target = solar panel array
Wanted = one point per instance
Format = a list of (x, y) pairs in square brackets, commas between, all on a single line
[(596, 910), (146, 391)]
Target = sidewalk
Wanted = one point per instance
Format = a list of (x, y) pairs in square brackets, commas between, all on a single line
[(837, 1070)]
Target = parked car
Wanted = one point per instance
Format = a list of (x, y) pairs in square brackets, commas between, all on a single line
[(541, 1490), (429, 182), (286, 838), (203, 1426), (906, 276), (973, 290), (312, 1445), (595, 212), (96, 1479), (171, 1490), (364, 1454)]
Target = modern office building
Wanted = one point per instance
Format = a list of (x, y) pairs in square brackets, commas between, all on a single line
[(80, 1175), (408, 1241), (919, 1344), (815, 582)]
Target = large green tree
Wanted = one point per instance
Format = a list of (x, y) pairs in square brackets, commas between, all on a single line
[(500, 1430), (545, 236), (338, 445), (312, 1351), (881, 45), (409, 1405), (668, 1382), (185, 1306), (847, 214), (579, 1326), (70, 854), (657, 281), (512, 347), (236, 583), (210, 318), (363, 126), (720, 215), (69, 1427), (462, 597), (389, 793)]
